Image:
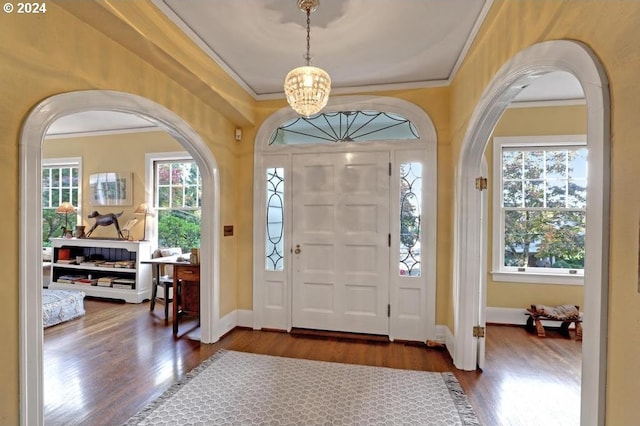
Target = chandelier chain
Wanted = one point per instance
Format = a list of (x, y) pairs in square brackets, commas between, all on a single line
[(307, 88), (308, 57)]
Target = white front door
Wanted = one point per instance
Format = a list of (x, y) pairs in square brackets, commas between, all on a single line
[(341, 242)]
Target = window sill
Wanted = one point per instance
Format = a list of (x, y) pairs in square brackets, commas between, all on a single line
[(538, 278)]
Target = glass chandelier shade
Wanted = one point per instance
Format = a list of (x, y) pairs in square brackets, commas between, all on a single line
[(307, 88)]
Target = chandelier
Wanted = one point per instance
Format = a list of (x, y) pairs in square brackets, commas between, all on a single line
[(307, 88)]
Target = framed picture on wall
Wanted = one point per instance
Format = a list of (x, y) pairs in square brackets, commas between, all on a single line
[(110, 189)]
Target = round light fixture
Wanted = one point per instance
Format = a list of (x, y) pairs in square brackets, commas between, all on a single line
[(307, 88)]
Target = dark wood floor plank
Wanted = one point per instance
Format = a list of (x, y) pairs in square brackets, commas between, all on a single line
[(106, 366)]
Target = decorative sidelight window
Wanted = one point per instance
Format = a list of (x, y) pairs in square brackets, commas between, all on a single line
[(344, 126), (274, 247), (410, 219)]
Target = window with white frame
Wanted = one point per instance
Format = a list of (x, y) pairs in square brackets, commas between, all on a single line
[(540, 198), (61, 182), (178, 202)]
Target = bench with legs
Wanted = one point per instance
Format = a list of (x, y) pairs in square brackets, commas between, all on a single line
[(534, 322)]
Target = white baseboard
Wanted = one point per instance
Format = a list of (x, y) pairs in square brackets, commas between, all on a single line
[(245, 318), (512, 316), (509, 316), (237, 318), (227, 323), (444, 335)]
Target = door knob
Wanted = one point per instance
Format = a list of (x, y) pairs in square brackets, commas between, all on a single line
[(297, 250)]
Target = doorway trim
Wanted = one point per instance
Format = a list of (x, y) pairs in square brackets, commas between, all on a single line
[(30, 233), (577, 59), (274, 312)]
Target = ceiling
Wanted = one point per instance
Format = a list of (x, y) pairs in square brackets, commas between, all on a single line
[(95, 122), (364, 45)]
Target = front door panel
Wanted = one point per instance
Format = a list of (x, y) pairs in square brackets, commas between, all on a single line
[(340, 242)]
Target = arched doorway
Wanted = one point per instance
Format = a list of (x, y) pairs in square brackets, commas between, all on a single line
[(34, 129), (274, 290), (577, 59)]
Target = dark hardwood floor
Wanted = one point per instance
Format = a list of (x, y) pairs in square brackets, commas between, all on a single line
[(104, 367)]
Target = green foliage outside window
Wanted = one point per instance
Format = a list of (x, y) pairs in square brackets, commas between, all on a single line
[(410, 217), (179, 194), (59, 184), (544, 199), (177, 228), (52, 224)]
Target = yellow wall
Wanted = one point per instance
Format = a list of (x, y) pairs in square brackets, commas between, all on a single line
[(610, 29), (48, 54), (541, 121), (112, 153), (562, 120)]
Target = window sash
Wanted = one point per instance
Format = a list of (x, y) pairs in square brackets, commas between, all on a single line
[(60, 184), (545, 185), (175, 191), (61, 181), (177, 187)]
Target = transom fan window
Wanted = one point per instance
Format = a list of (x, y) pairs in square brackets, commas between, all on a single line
[(344, 126)]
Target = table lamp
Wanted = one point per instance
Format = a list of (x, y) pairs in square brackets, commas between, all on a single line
[(144, 210), (66, 208)]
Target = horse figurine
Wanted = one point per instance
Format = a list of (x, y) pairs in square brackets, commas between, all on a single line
[(105, 220)]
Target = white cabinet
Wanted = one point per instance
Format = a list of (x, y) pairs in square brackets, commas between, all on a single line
[(107, 268)]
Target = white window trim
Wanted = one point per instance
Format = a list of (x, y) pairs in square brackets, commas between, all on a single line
[(511, 274), (150, 187), (69, 162)]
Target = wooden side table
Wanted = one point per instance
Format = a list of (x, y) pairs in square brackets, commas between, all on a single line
[(186, 287)]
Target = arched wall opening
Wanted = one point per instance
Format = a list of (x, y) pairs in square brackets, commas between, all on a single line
[(577, 59), (30, 276)]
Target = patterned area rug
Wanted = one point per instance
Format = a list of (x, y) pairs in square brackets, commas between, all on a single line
[(237, 388)]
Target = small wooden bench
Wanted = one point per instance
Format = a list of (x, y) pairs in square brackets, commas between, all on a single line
[(536, 318)]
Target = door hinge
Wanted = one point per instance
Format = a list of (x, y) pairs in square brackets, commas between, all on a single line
[(389, 311), (481, 183), (389, 241), (478, 331), (389, 168)]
